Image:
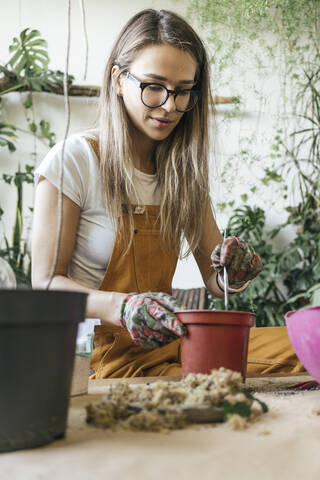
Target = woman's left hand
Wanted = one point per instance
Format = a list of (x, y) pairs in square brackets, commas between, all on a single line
[(241, 261)]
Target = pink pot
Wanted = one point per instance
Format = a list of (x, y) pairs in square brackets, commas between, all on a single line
[(216, 338), (304, 333)]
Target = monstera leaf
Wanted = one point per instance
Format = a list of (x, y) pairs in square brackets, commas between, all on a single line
[(28, 68), (30, 53)]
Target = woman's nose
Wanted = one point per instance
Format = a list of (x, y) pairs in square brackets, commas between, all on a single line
[(170, 104)]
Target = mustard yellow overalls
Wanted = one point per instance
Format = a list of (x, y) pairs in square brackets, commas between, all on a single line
[(149, 266)]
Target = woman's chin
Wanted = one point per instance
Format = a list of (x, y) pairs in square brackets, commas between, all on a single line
[(159, 135)]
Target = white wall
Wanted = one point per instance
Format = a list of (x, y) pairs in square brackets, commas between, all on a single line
[(104, 20)]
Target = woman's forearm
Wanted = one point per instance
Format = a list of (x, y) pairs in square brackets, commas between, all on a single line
[(100, 304)]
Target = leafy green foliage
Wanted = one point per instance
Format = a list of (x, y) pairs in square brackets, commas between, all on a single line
[(280, 33), (7, 131), (263, 296), (243, 408), (47, 133), (8, 73), (16, 252), (271, 175), (230, 25), (48, 81), (287, 279), (238, 408), (250, 397), (28, 66), (29, 53), (286, 18)]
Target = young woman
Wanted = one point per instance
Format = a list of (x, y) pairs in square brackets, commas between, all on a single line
[(133, 189)]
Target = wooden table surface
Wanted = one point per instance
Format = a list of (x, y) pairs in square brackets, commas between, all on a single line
[(282, 445), (99, 386)]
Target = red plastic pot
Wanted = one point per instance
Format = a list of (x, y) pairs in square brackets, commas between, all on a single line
[(216, 338)]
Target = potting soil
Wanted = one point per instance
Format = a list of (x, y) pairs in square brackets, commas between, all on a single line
[(161, 402)]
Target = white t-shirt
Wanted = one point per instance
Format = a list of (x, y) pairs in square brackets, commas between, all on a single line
[(82, 184)]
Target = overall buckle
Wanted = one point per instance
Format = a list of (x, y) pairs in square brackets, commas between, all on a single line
[(139, 209)]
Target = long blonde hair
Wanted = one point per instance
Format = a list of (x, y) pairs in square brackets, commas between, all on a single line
[(181, 158)]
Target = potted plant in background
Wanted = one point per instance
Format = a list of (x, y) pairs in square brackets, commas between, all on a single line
[(38, 328), (281, 37)]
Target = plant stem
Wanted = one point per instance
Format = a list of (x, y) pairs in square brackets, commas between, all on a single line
[(15, 87)]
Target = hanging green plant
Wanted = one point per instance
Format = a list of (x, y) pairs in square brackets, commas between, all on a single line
[(250, 19), (266, 35), (28, 66), (7, 134), (27, 69)]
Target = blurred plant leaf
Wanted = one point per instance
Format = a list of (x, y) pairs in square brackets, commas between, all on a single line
[(29, 53), (7, 132)]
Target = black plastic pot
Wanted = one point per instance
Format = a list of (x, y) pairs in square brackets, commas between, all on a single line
[(38, 330)]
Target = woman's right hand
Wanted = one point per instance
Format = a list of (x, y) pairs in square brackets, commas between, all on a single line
[(150, 318)]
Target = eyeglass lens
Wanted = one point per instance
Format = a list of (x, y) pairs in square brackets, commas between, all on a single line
[(156, 95)]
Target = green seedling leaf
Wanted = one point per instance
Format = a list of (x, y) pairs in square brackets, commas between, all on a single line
[(263, 405), (238, 408)]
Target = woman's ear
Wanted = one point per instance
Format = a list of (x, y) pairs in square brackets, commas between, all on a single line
[(117, 83)]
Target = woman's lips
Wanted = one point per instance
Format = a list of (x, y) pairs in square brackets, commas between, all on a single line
[(161, 122)]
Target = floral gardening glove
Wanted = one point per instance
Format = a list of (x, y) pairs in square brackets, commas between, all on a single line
[(149, 317), (241, 261)]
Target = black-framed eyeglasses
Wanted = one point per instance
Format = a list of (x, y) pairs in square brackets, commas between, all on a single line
[(154, 95)]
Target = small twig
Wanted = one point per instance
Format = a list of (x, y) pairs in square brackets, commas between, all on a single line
[(85, 33), (60, 194)]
